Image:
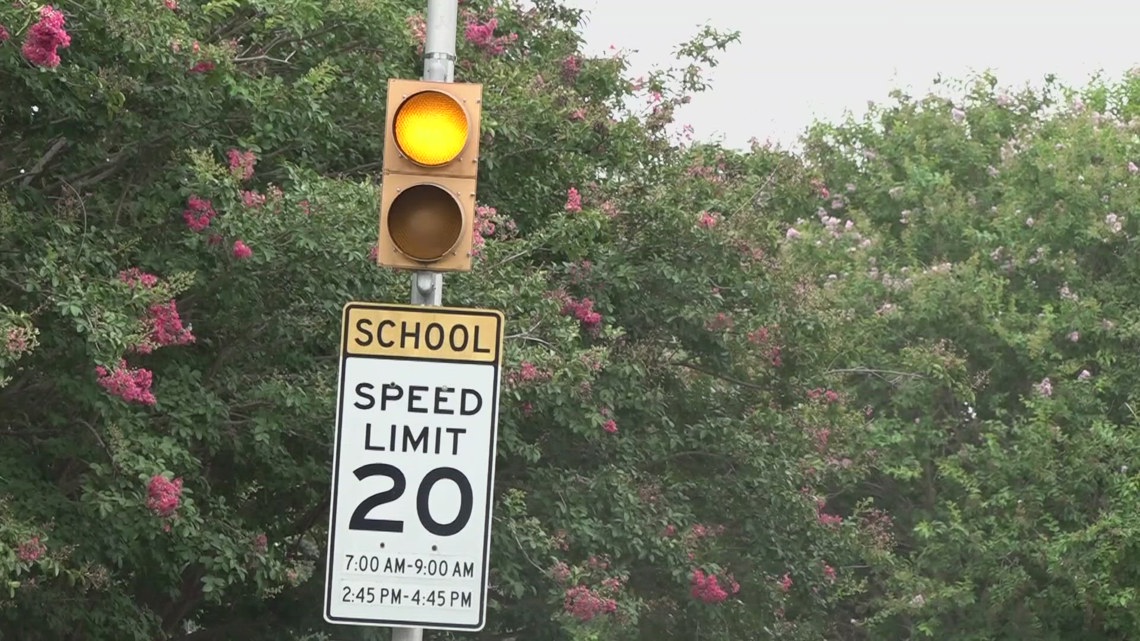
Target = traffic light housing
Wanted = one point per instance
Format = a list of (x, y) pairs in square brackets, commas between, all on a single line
[(431, 164)]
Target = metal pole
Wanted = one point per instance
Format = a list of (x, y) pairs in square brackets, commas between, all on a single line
[(439, 65)]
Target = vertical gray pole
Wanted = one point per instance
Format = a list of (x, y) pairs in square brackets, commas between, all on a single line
[(439, 66)]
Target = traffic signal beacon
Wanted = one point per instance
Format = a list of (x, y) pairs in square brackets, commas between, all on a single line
[(431, 165)]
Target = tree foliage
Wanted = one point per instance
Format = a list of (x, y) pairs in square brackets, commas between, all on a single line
[(880, 389)]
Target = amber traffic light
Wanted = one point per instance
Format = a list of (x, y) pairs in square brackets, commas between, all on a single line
[(431, 154)]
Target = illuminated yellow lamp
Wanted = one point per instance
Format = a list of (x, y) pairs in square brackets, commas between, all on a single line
[(431, 128)]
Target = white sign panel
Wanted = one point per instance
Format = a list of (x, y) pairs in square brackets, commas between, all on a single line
[(413, 468)]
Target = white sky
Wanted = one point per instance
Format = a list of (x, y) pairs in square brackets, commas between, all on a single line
[(803, 59)]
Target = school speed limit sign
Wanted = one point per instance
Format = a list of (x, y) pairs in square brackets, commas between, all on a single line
[(413, 466)]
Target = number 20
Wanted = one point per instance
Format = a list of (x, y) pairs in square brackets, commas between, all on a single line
[(360, 520)]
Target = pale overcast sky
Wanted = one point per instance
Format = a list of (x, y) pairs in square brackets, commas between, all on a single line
[(800, 59)]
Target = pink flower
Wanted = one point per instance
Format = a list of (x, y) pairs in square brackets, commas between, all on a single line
[(583, 310), (571, 67), (707, 588), (45, 38), (1045, 388), (786, 582), (165, 328), (198, 213), (584, 604), (1132, 168), (829, 572), (204, 66), (252, 199), (418, 26), (560, 572), (260, 543), (241, 163), (708, 220), (793, 233), (171, 4), (241, 250), (610, 426), (1074, 336), (31, 550), (482, 35), (131, 385), (135, 277), (17, 341), (4, 35), (1084, 375), (573, 201), (484, 227), (957, 114), (163, 495)]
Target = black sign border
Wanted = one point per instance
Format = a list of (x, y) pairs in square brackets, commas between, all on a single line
[(497, 366)]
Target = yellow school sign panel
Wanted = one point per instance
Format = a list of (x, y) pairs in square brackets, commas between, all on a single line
[(432, 333)]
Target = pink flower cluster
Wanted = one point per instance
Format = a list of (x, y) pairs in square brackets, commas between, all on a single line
[(252, 199), (571, 67), (17, 341), (260, 543), (719, 323), (560, 572), (241, 164), (31, 550), (708, 220), (759, 336), (204, 66), (198, 213), (707, 587), (4, 35), (584, 604), (785, 582), (829, 573), (880, 526), (821, 188), (135, 277), (763, 337), (241, 251), (573, 200), (484, 227), (163, 495), (165, 328), (482, 35), (131, 385), (822, 435), (418, 26), (45, 38), (701, 531), (527, 372), (583, 310), (828, 396), (825, 519)]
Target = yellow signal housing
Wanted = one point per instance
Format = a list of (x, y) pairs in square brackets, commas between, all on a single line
[(431, 166)]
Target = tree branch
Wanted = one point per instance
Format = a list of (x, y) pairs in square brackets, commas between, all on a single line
[(38, 168), (727, 379)]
